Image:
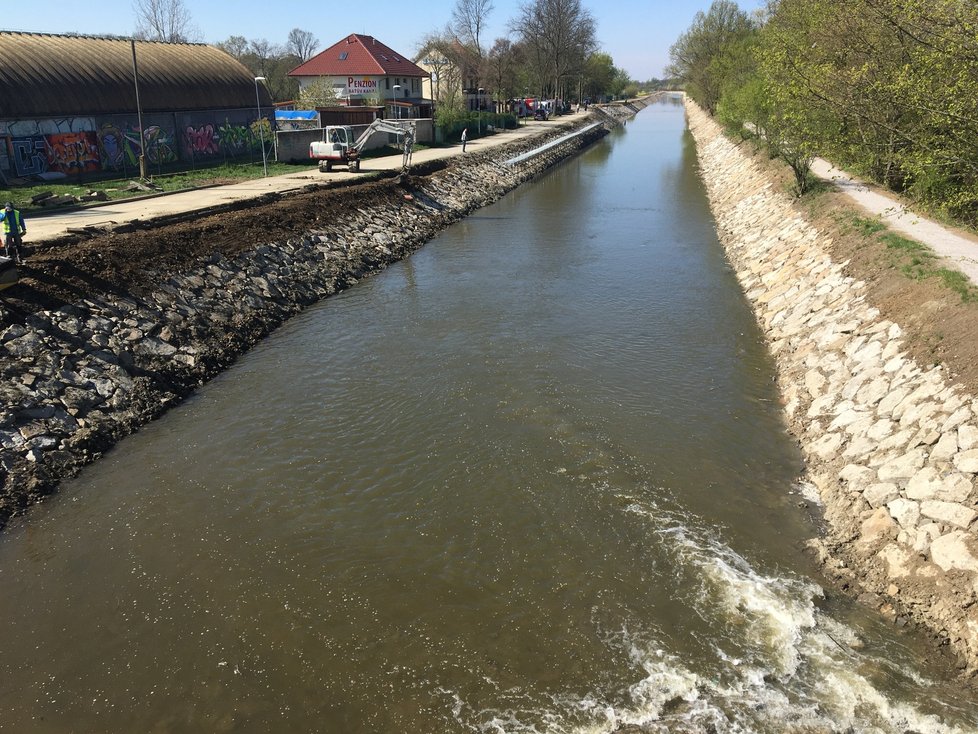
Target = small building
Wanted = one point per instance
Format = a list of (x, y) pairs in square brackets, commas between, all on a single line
[(70, 108), (453, 76), (360, 71)]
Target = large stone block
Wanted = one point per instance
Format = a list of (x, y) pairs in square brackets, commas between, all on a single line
[(949, 513), (905, 512), (881, 493), (902, 468), (967, 461), (946, 447), (956, 550)]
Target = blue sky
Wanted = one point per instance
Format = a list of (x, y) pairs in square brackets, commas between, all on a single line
[(637, 33)]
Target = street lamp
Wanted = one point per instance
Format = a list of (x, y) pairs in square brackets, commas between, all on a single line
[(479, 111), (397, 110), (261, 128)]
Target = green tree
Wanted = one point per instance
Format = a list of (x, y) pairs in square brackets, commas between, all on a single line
[(693, 54), (319, 93), (599, 74), (559, 36)]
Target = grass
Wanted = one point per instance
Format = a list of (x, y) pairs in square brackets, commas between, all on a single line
[(866, 226), (915, 260), (178, 181), (118, 188)]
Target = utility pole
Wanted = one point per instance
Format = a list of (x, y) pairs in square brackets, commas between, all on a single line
[(139, 113)]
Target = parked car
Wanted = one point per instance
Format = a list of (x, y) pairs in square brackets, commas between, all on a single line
[(540, 114)]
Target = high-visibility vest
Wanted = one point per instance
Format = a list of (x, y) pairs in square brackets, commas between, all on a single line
[(18, 222)]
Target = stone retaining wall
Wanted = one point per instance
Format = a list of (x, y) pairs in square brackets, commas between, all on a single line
[(891, 445), (76, 380)]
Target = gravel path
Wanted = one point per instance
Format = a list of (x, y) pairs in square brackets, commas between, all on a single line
[(959, 249)]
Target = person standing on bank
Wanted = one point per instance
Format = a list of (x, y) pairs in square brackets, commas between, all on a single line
[(465, 137), (13, 231)]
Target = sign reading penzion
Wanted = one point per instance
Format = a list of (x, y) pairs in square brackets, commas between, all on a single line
[(361, 85)]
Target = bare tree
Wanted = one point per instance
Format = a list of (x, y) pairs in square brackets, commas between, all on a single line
[(164, 20), (468, 19), (261, 52), (451, 62), (559, 35), (501, 68), (302, 43), (237, 46)]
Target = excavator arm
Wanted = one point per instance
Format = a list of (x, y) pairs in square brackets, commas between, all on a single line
[(385, 126), (405, 129)]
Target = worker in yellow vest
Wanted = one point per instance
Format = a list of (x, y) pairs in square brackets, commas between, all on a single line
[(13, 231)]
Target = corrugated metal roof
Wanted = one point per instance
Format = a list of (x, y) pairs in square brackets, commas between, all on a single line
[(358, 55), (44, 75)]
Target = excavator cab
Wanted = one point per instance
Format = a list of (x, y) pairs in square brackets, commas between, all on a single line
[(337, 147)]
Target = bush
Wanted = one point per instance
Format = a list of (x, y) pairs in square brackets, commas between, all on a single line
[(452, 122)]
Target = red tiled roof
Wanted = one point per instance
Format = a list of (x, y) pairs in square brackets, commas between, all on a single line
[(358, 55)]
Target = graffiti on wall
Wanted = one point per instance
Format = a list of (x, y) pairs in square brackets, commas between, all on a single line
[(72, 153), (236, 139), (120, 146), (27, 156), (228, 140), (84, 145)]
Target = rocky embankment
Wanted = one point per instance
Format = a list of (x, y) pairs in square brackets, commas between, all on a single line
[(78, 379), (891, 445)]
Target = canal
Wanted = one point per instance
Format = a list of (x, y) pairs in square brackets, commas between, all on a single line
[(532, 479)]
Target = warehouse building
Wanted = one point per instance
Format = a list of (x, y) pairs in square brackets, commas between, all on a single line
[(70, 108)]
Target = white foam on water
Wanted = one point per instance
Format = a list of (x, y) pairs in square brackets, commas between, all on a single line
[(794, 669)]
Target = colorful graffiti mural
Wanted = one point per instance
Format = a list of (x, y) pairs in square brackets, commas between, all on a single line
[(201, 141), (120, 147), (72, 153), (236, 139), (228, 140), (83, 145)]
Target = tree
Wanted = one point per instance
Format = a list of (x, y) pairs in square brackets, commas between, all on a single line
[(692, 55), (501, 69), (236, 46), (302, 44), (468, 19), (263, 58), (319, 93), (453, 64), (559, 35), (164, 20), (620, 80), (598, 75)]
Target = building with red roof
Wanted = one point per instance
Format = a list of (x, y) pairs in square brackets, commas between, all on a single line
[(362, 71)]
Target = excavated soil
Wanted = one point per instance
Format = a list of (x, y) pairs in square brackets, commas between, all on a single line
[(62, 271)]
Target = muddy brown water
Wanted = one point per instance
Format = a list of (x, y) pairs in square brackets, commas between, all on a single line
[(532, 479)]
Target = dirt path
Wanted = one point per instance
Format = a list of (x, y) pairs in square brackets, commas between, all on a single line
[(959, 249), (940, 325)]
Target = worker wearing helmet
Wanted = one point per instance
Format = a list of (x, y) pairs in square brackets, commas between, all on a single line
[(13, 230)]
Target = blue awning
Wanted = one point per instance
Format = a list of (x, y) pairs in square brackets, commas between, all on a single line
[(310, 115)]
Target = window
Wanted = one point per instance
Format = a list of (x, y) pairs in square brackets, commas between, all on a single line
[(387, 79), (343, 55)]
